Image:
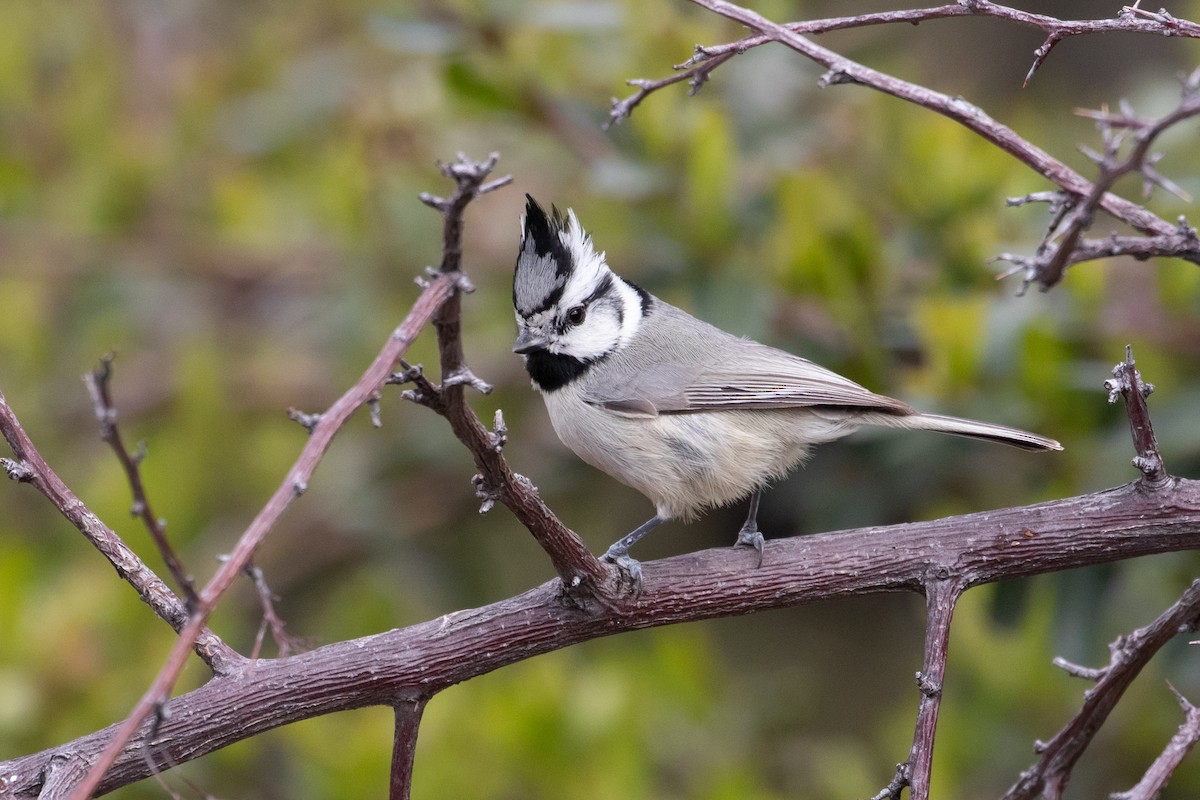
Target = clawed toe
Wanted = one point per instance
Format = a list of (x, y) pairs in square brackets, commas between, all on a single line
[(629, 570), (751, 537)]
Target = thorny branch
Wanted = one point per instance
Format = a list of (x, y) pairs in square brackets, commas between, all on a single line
[(1074, 214), (1077, 198), (696, 70), (581, 572), (1128, 654), (98, 383)]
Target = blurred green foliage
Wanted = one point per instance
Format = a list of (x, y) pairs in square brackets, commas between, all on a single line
[(224, 195)]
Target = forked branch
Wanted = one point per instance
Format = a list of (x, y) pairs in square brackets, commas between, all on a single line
[(30, 467), (1128, 655), (436, 292)]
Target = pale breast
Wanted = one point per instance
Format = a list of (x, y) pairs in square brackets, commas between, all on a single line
[(683, 462)]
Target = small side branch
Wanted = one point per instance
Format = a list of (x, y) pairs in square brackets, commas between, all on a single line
[(404, 746), (1185, 738), (1060, 243), (285, 643), (1128, 655), (99, 383), (63, 772), (1127, 383), (1180, 243), (30, 467)]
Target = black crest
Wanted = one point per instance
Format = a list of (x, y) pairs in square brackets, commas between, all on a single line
[(544, 261)]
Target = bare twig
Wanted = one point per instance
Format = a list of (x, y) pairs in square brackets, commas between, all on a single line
[(1127, 383), (30, 467), (1128, 655), (1060, 244), (1182, 243), (434, 295), (1080, 197), (699, 67), (99, 382), (285, 643), (844, 70), (1157, 775)]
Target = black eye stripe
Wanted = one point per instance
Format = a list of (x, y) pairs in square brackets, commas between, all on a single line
[(602, 288)]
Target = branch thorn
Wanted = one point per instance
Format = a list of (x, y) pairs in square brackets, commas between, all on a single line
[(19, 471), (464, 377), (306, 421), (485, 493)]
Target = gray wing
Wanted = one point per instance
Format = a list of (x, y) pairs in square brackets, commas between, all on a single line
[(764, 378), (730, 374)]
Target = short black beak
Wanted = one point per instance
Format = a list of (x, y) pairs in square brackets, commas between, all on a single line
[(529, 341)]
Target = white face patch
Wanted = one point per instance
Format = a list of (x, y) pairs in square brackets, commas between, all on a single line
[(611, 309)]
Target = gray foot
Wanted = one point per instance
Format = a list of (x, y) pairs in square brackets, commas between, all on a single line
[(749, 536), (630, 569)]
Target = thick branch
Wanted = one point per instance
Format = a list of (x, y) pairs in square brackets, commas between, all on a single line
[(419, 661)]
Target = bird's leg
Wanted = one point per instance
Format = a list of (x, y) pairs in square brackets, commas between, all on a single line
[(618, 553), (749, 535)]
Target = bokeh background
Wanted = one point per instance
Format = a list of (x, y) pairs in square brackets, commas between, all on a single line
[(224, 195)]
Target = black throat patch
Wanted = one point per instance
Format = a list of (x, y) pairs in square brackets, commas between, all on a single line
[(552, 371)]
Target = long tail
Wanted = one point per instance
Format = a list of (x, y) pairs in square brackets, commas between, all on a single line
[(1013, 437)]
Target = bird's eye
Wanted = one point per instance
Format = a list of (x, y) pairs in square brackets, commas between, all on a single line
[(576, 314)]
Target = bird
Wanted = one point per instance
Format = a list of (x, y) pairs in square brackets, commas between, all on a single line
[(687, 414)]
